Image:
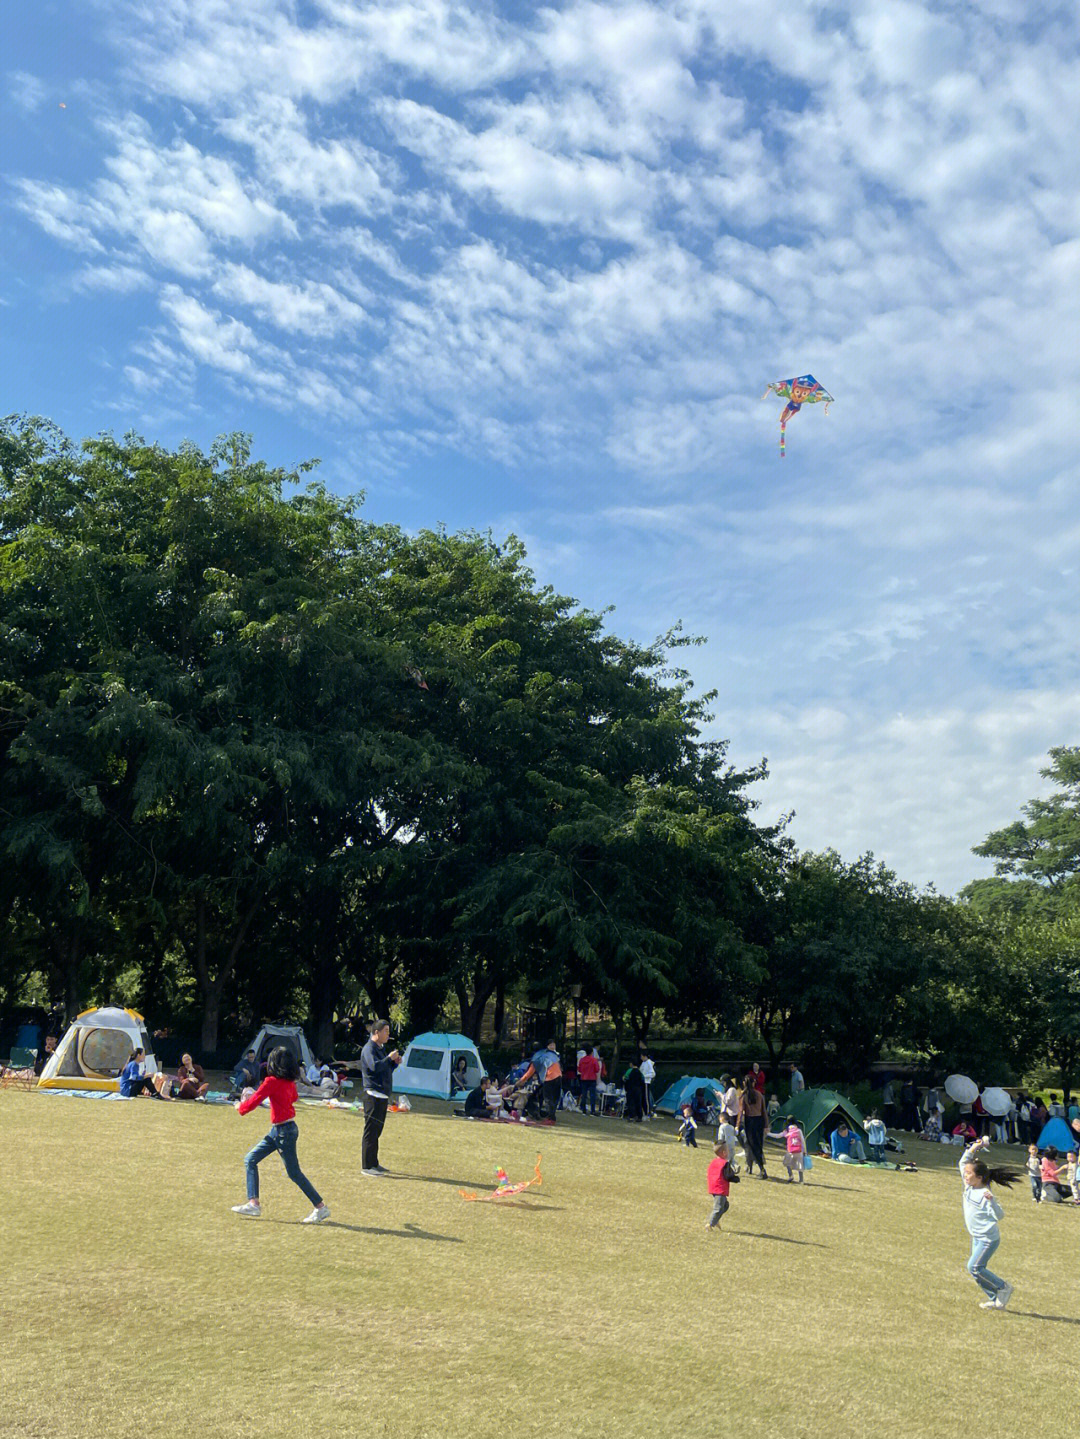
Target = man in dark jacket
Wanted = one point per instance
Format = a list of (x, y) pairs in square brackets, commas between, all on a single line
[(377, 1078)]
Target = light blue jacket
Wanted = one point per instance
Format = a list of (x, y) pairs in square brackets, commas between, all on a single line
[(981, 1209)]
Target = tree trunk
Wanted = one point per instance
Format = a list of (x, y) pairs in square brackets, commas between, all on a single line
[(617, 1020), (67, 958), (472, 1010), (500, 1011), (324, 994)]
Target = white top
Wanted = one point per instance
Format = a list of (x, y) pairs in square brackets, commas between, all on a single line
[(648, 1071)]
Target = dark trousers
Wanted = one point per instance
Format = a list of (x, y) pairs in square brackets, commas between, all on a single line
[(552, 1094), (588, 1095), (374, 1119), (139, 1085), (689, 1140), (755, 1142)]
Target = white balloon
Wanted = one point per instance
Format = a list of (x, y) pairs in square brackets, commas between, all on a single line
[(962, 1089)]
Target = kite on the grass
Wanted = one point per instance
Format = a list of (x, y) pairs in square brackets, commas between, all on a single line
[(506, 1189), (803, 390)]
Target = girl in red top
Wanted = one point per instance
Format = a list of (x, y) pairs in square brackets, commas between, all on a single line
[(279, 1087), (719, 1181)]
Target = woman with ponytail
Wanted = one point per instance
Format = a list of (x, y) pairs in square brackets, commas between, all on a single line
[(981, 1215)]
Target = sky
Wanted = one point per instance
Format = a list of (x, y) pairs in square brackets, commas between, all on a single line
[(529, 269)]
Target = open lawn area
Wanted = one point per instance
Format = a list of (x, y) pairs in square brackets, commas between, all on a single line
[(139, 1307)]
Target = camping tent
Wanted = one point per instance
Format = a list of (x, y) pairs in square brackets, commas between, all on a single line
[(817, 1112), (1057, 1133), (287, 1036), (428, 1062), (682, 1092), (95, 1049)]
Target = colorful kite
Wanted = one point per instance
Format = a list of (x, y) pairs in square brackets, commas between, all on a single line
[(803, 390), (506, 1189)]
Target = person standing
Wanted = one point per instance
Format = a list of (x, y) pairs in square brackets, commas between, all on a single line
[(588, 1072), (888, 1103), (752, 1121), (798, 1083), (634, 1087), (377, 1077), (981, 1215), (648, 1074), (757, 1074)]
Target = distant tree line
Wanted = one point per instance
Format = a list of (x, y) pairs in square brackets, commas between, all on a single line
[(259, 754)]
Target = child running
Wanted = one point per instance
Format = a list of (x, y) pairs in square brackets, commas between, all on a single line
[(981, 1215), (279, 1087), (719, 1182)]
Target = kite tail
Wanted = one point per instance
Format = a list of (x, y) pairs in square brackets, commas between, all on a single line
[(783, 450)]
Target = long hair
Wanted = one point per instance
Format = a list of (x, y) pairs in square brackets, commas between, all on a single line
[(282, 1063), (995, 1173)]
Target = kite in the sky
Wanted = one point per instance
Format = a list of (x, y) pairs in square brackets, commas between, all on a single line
[(506, 1189), (803, 390)]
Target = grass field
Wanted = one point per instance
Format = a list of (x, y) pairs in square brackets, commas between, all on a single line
[(140, 1307)]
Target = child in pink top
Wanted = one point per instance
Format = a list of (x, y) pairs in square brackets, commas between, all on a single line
[(795, 1156)]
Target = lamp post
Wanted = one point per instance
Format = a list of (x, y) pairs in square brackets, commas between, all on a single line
[(575, 995)]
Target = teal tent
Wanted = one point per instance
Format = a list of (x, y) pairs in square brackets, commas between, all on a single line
[(682, 1092)]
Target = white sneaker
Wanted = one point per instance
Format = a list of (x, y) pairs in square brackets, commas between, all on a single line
[(251, 1210), (318, 1214), (370, 1173), (1004, 1297), (989, 1304)]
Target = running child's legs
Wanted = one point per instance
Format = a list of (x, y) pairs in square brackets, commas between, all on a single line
[(719, 1209), (982, 1251), (282, 1137), (1036, 1186)]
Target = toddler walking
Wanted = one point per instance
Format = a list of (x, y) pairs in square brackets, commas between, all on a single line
[(795, 1157), (1034, 1172), (279, 1087), (687, 1127), (719, 1182)]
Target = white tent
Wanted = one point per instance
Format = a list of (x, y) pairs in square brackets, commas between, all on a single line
[(287, 1036), (95, 1049), (429, 1061)]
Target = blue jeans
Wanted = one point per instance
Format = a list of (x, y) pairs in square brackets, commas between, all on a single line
[(982, 1251), (282, 1137), (588, 1095)]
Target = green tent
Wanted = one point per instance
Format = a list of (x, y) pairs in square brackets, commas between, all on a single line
[(817, 1112)]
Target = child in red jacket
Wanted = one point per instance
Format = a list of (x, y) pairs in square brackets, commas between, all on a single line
[(279, 1087), (719, 1182)]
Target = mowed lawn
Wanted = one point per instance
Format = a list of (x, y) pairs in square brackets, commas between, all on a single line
[(138, 1305)]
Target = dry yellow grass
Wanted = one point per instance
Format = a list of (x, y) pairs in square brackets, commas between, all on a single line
[(597, 1307)]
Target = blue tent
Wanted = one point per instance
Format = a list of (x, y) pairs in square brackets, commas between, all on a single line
[(682, 1092), (1057, 1133)]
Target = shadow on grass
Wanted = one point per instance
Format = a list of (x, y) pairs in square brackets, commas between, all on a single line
[(408, 1231), (779, 1238), (1047, 1318)]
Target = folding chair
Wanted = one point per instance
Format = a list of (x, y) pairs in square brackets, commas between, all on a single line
[(19, 1070)]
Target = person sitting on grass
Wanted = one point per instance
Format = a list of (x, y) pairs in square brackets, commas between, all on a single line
[(1053, 1190), (476, 1104), (134, 1079), (844, 1146), (246, 1073), (191, 1079), (965, 1133), (932, 1132)]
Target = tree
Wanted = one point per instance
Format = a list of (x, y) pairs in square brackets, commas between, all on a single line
[(1045, 847)]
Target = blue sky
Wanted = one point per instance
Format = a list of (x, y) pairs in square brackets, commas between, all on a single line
[(530, 269)]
